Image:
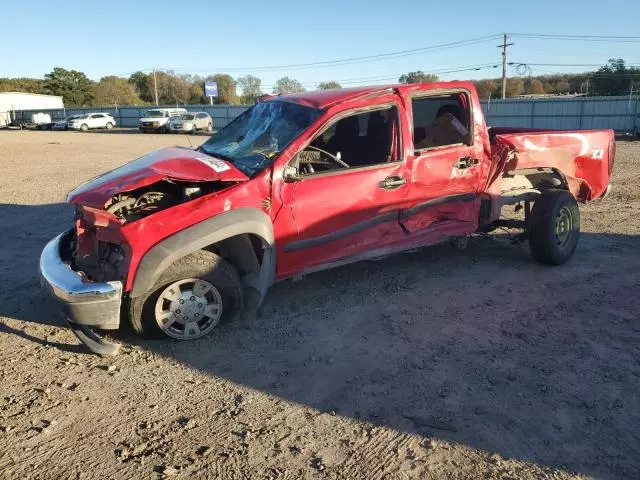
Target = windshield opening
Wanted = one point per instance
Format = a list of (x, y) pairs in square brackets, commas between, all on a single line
[(252, 140), (155, 114), (76, 117)]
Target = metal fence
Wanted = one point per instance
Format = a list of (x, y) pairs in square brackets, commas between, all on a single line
[(557, 113), (129, 116), (562, 113)]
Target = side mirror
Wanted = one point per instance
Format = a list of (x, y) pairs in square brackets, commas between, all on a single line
[(291, 174)]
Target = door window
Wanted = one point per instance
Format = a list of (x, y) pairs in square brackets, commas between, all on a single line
[(440, 120), (355, 141)]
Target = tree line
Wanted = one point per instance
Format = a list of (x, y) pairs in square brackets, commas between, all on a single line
[(140, 88)]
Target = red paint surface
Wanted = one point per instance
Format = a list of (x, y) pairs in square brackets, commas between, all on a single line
[(322, 205)]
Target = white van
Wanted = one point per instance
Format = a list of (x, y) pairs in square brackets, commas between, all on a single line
[(156, 119)]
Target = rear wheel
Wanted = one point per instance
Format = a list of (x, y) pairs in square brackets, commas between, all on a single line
[(209, 128), (193, 296), (109, 125), (554, 227)]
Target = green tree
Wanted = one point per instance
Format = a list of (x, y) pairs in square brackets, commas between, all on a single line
[(141, 83), (287, 85), (74, 87), (27, 85), (487, 88), (533, 86), (615, 78), (226, 88), (112, 90), (329, 85), (418, 77), (251, 90), (515, 87)]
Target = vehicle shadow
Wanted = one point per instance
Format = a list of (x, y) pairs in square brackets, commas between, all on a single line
[(480, 346)]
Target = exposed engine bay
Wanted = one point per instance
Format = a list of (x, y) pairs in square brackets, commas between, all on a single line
[(103, 257), (139, 203)]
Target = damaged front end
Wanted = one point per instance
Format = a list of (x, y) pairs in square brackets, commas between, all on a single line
[(86, 269)]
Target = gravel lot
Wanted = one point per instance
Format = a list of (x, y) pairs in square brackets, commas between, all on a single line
[(439, 363)]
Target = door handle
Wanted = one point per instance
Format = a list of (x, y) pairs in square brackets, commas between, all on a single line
[(393, 182), (465, 162)]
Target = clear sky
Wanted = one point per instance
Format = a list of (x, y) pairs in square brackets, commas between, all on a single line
[(237, 37)]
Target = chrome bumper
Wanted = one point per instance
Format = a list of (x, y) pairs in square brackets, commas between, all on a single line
[(81, 301)]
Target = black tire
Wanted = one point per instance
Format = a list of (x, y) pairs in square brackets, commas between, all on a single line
[(200, 264), (84, 127), (209, 128), (194, 130), (109, 125), (554, 227)]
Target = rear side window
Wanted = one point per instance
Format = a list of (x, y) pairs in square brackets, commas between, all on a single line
[(440, 120)]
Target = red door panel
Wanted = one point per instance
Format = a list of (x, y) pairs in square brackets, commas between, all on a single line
[(337, 215), (443, 187)]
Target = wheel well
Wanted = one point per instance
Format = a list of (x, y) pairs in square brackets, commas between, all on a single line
[(244, 251), (545, 179)]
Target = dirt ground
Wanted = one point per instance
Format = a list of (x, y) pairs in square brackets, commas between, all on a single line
[(439, 363)]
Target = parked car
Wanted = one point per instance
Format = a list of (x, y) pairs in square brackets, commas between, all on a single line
[(63, 124), (191, 123), (41, 121), (181, 240), (90, 121), (157, 119)]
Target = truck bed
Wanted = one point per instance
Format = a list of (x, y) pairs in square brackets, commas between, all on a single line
[(584, 158)]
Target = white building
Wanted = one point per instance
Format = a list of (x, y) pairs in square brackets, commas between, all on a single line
[(25, 101)]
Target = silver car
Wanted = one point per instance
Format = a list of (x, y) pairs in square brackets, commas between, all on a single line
[(191, 123)]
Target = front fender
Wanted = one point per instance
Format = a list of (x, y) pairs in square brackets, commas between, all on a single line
[(246, 220)]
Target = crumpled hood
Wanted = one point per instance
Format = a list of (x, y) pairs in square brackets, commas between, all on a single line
[(174, 163)]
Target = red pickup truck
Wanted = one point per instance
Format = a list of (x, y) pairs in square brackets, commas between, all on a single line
[(181, 240)]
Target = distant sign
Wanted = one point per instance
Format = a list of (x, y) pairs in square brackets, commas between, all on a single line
[(210, 89)]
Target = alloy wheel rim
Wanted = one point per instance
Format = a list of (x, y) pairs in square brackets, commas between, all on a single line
[(188, 309)]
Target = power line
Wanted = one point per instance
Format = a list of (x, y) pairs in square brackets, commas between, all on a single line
[(353, 60), (583, 38)]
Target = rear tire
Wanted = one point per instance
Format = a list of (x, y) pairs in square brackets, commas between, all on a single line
[(109, 126), (145, 312), (554, 227)]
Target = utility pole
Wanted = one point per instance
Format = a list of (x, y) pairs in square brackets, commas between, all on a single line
[(504, 65), (155, 86)]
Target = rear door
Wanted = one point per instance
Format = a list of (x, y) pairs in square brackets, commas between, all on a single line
[(97, 120), (446, 164), (334, 212)]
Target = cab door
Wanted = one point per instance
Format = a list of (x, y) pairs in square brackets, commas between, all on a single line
[(334, 212), (446, 164)]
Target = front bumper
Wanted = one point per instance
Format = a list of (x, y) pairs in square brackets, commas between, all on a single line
[(150, 128), (80, 301)]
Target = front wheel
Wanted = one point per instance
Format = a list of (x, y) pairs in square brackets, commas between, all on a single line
[(84, 127), (209, 127), (193, 296), (554, 227)]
